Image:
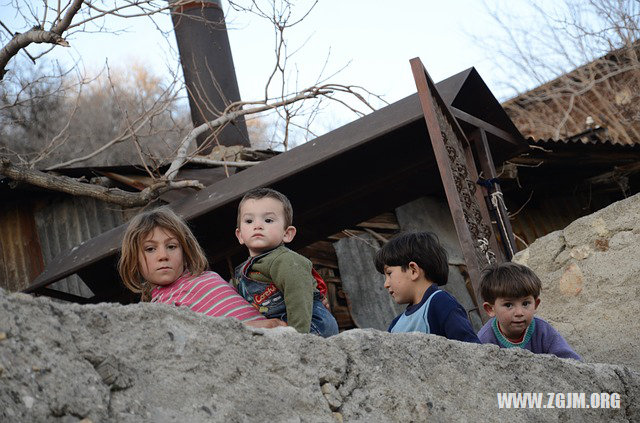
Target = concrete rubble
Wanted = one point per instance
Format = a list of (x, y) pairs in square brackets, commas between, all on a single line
[(151, 362)]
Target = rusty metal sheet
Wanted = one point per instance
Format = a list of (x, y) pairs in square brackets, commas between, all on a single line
[(68, 221), (458, 175), (20, 255)]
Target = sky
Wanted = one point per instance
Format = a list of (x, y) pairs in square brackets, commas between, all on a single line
[(370, 41)]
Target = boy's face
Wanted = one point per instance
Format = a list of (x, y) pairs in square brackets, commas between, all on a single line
[(160, 257), (401, 283), (262, 225), (513, 314)]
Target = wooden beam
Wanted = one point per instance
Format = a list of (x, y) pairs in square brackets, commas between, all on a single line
[(65, 296), (479, 123), (482, 202)]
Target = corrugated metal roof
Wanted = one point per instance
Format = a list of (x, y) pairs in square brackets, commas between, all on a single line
[(34, 231), (593, 136), (65, 223)]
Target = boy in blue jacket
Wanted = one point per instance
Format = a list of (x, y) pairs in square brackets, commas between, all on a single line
[(414, 264)]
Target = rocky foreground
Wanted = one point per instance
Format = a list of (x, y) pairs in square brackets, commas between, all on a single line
[(591, 282), (149, 362)]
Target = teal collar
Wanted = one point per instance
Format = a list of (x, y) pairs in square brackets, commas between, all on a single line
[(504, 342)]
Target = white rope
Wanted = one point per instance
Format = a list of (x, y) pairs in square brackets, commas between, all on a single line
[(497, 199), (488, 254)]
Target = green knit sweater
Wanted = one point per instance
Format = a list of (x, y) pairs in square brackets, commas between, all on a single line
[(291, 274)]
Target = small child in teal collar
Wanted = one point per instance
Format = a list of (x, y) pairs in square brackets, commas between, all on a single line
[(511, 293)]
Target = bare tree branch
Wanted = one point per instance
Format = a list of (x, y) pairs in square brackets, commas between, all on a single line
[(233, 112), (74, 187), (139, 121), (20, 41), (583, 57)]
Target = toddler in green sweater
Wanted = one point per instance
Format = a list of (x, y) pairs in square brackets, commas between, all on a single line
[(280, 283)]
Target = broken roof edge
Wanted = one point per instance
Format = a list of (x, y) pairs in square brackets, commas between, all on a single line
[(473, 82), (341, 140), (347, 137)]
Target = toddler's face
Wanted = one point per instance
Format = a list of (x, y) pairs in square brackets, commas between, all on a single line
[(161, 261), (262, 225), (513, 314)]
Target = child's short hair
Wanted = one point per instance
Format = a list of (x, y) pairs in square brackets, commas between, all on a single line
[(508, 280), (139, 228), (423, 248), (259, 193)]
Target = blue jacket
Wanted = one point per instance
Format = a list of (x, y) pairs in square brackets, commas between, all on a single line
[(438, 313)]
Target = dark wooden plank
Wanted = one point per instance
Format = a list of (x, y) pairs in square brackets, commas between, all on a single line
[(482, 204)]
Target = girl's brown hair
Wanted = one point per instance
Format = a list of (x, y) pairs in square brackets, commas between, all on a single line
[(138, 230)]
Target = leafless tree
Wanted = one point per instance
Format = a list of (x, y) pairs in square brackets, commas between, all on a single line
[(573, 66), (56, 24)]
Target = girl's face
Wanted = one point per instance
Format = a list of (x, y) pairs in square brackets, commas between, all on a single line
[(161, 261)]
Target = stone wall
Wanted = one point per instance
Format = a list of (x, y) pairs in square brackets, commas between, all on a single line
[(152, 362), (591, 282)]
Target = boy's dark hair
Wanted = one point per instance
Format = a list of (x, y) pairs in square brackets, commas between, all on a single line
[(258, 193), (508, 280), (423, 248)]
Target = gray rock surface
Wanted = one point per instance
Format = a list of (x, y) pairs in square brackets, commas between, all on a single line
[(151, 362), (591, 282)]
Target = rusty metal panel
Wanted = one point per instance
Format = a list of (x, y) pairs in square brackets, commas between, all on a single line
[(458, 175), (20, 256), (66, 222)]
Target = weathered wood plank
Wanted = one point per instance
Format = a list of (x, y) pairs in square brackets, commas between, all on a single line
[(371, 304)]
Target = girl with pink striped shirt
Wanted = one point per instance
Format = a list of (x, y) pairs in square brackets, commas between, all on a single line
[(162, 260)]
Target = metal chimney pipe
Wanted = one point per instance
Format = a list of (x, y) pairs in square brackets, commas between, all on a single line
[(209, 74)]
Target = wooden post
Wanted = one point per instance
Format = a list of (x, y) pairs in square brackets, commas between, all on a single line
[(502, 215), (458, 174)]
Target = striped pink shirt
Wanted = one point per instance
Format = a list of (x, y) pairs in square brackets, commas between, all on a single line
[(207, 293)]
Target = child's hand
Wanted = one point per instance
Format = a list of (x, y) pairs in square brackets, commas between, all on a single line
[(268, 324), (325, 302)]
